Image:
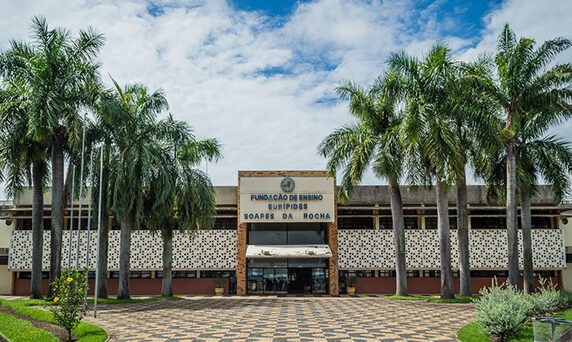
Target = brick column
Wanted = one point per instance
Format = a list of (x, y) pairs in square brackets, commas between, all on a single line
[(241, 261), (333, 242), (333, 261), (241, 248)]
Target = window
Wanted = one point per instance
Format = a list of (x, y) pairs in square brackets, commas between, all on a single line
[(410, 222), (385, 223), (28, 275), (215, 274), (355, 223), (412, 274), (431, 274), (387, 274), (453, 222), (287, 233), (365, 274), (489, 274), (544, 274), (179, 274), (540, 222), (430, 223), (132, 275), (3, 260), (488, 222), (25, 275), (226, 223)]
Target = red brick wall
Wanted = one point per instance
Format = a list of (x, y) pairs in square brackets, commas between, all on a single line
[(424, 285), (138, 287)]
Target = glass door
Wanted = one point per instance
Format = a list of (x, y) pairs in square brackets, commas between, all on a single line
[(319, 280), (275, 280)]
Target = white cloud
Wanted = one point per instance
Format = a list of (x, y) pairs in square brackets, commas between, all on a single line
[(214, 62)]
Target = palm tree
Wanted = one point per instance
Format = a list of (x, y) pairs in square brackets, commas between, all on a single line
[(373, 140), (101, 132), (477, 125), (429, 135), (61, 73), (184, 199), (140, 159), (538, 156), (20, 154), (525, 84), (550, 158)]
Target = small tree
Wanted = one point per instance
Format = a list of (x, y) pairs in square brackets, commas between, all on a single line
[(69, 308)]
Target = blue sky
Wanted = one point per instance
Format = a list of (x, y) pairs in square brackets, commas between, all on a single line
[(260, 75)]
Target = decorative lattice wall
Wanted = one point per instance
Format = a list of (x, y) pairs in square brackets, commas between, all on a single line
[(373, 249), (208, 249), (358, 249)]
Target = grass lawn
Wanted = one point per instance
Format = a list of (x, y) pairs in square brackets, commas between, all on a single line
[(19, 330), (472, 332), (458, 299), (85, 332)]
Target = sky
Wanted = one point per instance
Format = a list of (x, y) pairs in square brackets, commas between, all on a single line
[(260, 75)]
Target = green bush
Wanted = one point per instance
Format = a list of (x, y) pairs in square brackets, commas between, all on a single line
[(502, 310), (548, 299), (69, 306), (219, 282), (351, 280)]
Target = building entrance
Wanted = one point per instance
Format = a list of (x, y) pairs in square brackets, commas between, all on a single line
[(282, 276), (300, 280)]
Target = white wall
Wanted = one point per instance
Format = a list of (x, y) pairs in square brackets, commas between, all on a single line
[(567, 228)]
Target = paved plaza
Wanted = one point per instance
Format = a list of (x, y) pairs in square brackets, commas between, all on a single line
[(363, 318)]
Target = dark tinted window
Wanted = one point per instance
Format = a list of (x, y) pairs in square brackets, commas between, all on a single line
[(488, 222), (355, 223), (287, 233), (225, 223)]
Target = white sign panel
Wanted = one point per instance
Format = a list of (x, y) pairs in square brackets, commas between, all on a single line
[(287, 199)]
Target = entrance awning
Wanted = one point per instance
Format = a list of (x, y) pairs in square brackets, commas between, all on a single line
[(288, 251)]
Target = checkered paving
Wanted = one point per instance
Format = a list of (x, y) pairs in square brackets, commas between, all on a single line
[(368, 318)]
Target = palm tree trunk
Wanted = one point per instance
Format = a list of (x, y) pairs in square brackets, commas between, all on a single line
[(444, 239), (57, 212), (463, 237), (398, 238), (526, 239), (511, 227), (124, 256), (103, 242), (38, 171), (167, 282)]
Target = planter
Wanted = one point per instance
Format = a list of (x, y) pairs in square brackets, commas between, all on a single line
[(350, 290), (219, 291)]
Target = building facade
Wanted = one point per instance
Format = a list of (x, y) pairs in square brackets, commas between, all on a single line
[(281, 232)]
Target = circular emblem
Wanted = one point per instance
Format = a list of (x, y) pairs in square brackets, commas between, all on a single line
[(287, 184)]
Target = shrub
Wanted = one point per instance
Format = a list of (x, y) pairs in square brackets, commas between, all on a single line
[(566, 298), (502, 311), (220, 282), (351, 280), (554, 298), (69, 302)]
